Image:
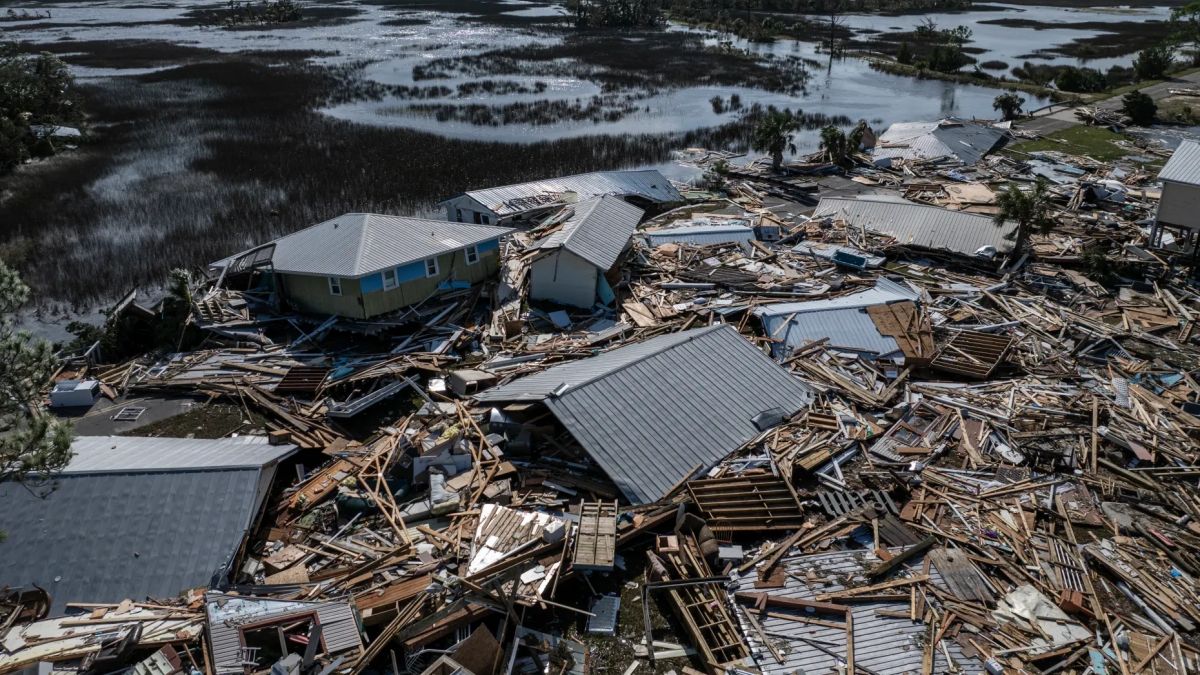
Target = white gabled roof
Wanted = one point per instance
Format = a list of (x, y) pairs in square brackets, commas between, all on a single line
[(1184, 165), (510, 200), (358, 244)]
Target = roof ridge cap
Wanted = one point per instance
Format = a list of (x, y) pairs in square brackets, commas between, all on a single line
[(700, 332)]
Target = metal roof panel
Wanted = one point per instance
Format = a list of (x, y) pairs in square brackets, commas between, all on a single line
[(97, 454), (598, 231), (918, 225), (510, 200), (1183, 165), (651, 415)]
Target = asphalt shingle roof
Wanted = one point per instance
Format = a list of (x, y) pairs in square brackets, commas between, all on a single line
[(116, 529)]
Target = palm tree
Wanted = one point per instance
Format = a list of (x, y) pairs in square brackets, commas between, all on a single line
[(774, 135), (835, 147), (1030, 211)]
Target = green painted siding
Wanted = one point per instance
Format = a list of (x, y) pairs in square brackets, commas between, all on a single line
[(310, 294)]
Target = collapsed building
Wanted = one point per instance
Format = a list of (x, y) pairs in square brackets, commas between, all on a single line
[(856, 436)]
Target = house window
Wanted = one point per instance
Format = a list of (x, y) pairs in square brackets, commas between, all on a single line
[(458, 215), (472, 255), (389, 279), (431, 267), (487, 220), (335, 286)]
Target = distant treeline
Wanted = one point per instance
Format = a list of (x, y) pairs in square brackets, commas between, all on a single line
[(750, 18)]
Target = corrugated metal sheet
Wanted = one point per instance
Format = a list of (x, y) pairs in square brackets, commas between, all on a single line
[(918, 225), (850, 329), (885, 645), (966, 141), (97, 454), (828, 251), (226, 613), (598, 231), (843, 320), (699, 235), (539, 385), (110, 536), (1184, 165), (649, 413), (357, 244), (510, 200)]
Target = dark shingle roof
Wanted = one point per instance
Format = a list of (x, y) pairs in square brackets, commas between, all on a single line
[(111, 531)]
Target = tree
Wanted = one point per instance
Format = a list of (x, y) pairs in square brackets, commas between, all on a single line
[(1139, 107), (835, 147), (1186, 23), (1152, 63), (34, 89), (773, 135), (1030, 211), (33, 444), (1009, 105), (904, 55)]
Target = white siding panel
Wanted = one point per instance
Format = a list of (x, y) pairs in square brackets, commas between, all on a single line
[(1180, 205), (564, 278)]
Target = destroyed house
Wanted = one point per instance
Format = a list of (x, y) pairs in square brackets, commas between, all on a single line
[(651, 413), (881, 322), (516, 204), (571, 262), (135, 517), (248, 634), (1179, 206), (919, 225), (949, 139), (362, 265)]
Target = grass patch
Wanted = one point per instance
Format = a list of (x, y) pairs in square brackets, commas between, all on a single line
[(965, 77), (1094, 142)]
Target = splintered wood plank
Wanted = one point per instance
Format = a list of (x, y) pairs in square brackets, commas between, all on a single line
[(596, 540)]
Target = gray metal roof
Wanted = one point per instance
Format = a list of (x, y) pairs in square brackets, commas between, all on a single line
[(339, 628), (918, 225), (98, 454), (119, 530), (1184, 165), (699, 235), (844, 320), (357, 244), (510, 200), (598, 231), (966, 141), (651, 412), (828, 251), (883, 644)]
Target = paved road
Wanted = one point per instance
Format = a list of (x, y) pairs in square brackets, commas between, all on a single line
[(1060, 119)]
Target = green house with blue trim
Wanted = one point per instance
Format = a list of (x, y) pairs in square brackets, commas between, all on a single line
[(363, 265)]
